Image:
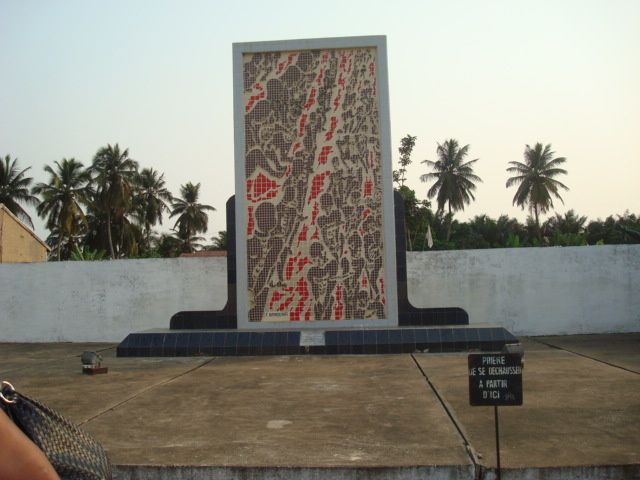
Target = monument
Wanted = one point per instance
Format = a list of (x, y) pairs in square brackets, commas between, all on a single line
[(317, 257)]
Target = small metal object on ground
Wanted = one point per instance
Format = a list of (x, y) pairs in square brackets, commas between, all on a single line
[(91, 370)]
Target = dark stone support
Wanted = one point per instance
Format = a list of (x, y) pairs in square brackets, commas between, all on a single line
[(226, 318), (407, 313)]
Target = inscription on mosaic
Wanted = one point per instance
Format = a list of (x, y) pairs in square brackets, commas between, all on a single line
[(313, 186)]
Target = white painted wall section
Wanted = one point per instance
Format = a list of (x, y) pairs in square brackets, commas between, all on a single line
[(534, 291), (530, 291), (104, 301)]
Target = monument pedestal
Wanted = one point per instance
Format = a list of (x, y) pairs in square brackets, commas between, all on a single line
[(177, 343)]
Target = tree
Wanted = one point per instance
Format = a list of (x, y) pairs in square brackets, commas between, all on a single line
[(536, 182), (127, 236), (62, 198), (189, 244), (192, 216), (115, 173), (570, 222), (86, 254), (631, 232), (168, 245), (220, 241), (454, 179), (510, 233), (612, 231), (418, 217), (150, 200), (14, 189), (406, 147)]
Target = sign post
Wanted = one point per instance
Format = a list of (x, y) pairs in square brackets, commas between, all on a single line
[(495, 379)]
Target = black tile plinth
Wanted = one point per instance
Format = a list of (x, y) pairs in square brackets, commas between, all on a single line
[(189, 342)]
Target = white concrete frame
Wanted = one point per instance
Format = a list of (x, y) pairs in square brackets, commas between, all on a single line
[(388, 218)]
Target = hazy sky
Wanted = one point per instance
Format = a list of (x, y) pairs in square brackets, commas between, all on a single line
[(156, 77)]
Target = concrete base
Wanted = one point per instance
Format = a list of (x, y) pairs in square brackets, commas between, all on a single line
[(432, 472), (346, 417), (161, 472)]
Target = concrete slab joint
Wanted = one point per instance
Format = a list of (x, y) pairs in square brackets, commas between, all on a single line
[(346, 417)]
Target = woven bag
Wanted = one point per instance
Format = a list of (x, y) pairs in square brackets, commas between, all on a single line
[(72, 452)]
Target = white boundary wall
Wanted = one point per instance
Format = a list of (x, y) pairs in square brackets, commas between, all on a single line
[(104, 301), (530, 291), (534, 291)]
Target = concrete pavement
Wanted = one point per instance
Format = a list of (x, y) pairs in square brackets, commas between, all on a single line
[(394, 416)]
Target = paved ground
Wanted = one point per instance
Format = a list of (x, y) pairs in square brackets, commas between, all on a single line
[(395, 416)]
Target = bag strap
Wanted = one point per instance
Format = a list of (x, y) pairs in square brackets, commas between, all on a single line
[(8, 394)]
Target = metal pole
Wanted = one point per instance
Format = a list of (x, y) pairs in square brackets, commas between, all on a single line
[(497, 442)]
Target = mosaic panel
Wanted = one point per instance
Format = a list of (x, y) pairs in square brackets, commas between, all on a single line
[(314, 227)]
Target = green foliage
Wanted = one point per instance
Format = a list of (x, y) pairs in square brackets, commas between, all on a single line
[(109, 207), (14, 189), (613, 231), (418, 218), (565, 230), (513, 241), (219, 242), (567, 240), (112, 207), (168, 246), (87, 254), (504, 232), (633, 233), (406, 147)]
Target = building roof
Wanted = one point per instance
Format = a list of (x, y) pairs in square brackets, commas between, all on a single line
[(4, 208), (205, 253)]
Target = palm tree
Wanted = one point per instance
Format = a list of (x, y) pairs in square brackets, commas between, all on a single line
[(510, 232), (454, 178), (192, 216), (115, 173), (535, 180), (190, 244), (14, 189), (569, 223), (168, 245), (96, 236), (150, 199), (220, 241), (62, 198)]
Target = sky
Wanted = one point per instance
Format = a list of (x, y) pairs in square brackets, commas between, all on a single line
[(156, 77)]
